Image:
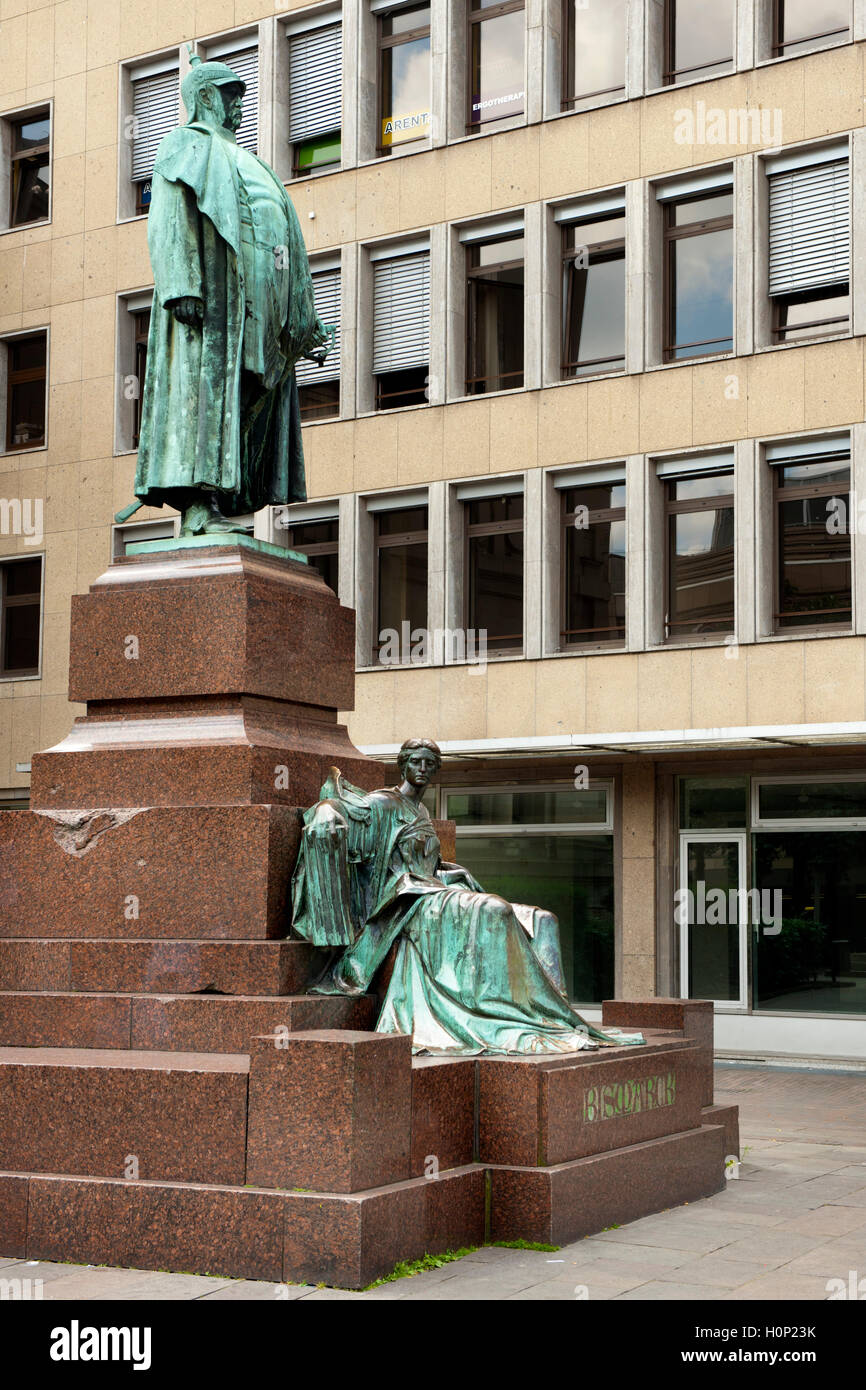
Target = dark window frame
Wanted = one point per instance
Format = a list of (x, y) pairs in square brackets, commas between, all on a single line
[(381, 543), (599, 251), (779, 43), (473, 530), (671, 235), (322, 411), (21, 377), (717, 502), (384, 43), (478, 272), (311, 548), (32, 600), (598, 514), (18, 156), (141, 330), (783, 333), (808, 492), (568, 75), (474, 18), (672, 76)]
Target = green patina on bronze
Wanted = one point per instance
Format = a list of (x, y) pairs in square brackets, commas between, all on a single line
[(233, 312), (472, 973)]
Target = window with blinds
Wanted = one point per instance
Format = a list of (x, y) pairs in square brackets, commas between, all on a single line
[(315, 96), (245, 62), (401, 330), (810, 248), (319, 387), (155, 111)]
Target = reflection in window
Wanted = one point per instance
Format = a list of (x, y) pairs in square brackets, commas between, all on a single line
[(320, 542), (699, 274), (404, 77), (401, 583), (798, 24), (20, 604), (699, 39), (594, 564), (142, 330), (25, 392), (494, 316), (496, 62), (593, 297), (713, 803), (812, 800), (700, 512), (494, 572), (593, 50), (814, 544), (31, 170)]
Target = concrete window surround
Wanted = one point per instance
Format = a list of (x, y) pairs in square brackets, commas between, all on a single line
[(754, 523), (128, 305), (7, 120)]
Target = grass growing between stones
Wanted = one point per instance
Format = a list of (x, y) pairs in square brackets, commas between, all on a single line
[(406, 1269)]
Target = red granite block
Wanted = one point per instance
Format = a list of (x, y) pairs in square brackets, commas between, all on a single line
[(191, 967), (220, 1023), (235, 1232), (13, 1215), (728, 1116), (183, 871), (564, 1203), (691, 1017), (443, 1114), (548, 1110), (329, 1111), (64, 1020), (348, 1241), (210, 622), (34, 965), (446, 831), (121, 1113), (454, 1210)]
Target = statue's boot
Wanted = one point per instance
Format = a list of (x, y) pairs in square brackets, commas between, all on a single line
[(194, 519), (205, 518), (216, 522)]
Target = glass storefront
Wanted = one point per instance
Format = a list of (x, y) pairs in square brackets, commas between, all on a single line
[(552, 848)]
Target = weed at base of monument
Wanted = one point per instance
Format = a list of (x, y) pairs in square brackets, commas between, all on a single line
[(524, 1245), (406, 1269)]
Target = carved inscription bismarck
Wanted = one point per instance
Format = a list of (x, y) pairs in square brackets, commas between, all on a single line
[(619, 1098)]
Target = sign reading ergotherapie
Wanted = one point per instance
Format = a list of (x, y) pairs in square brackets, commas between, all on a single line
[(619, 1098)]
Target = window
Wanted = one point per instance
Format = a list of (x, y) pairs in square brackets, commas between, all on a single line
[(593, 50), (550, 846), (142, 329), (404, 77), (316, 96), (699, 39), (494, 297), (401, 583), (30, 172), (699, 275), (401, 329), (494, 572), (319, 385), (26, 359), (810, 248), (798, 24), (593, 296), (20, 611), (700, 553), (245, 62), (496, 62), (319, 540), (124, 537), (593, 564), (155, 111), (813, 541)]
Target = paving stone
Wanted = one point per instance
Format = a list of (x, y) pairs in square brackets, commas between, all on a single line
[(678, 1234), (715, 1270), (780, 1286), (777, 1246), (829, 1220), (657, 1291), (252, 1290)]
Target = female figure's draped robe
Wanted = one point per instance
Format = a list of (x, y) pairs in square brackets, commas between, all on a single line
[(472, 972), (220, 405)]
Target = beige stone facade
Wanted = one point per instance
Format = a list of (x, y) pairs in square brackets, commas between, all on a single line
[(532, 718)]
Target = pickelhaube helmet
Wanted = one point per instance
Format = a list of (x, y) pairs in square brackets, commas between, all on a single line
[(203, 74)]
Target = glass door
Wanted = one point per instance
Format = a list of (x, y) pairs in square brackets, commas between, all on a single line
[(712, 913)]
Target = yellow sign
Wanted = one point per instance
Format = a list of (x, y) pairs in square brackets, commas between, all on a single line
[(398, 128)]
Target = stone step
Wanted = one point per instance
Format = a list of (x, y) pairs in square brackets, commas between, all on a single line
[(170, 1023), (174, 1116), (158, 966)]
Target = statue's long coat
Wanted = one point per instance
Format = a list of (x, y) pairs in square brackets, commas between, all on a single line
[(194, 431)]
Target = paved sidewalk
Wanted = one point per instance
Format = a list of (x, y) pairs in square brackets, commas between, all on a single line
[(793, 1219)]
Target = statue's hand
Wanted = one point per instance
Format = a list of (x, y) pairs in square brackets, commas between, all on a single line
[(187, 310), (327, 821)]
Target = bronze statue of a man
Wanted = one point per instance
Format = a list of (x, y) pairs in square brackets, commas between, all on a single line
[(233, 312)]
